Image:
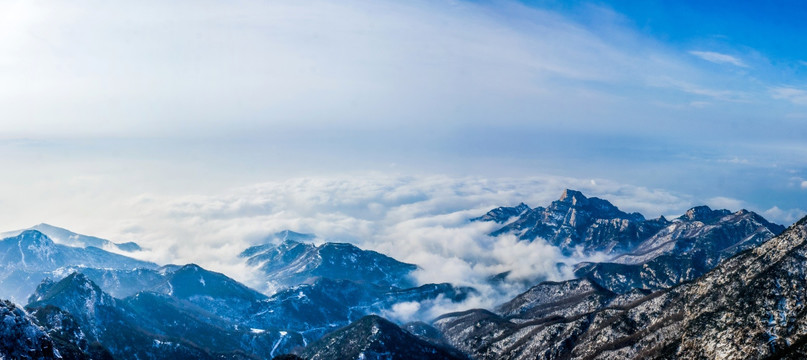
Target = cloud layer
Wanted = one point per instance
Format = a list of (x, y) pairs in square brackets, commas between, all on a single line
[(417, 219)]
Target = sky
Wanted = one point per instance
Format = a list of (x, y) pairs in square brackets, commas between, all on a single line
[(159, 122)]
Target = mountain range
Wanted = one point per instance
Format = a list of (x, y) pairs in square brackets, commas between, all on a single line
[(644, 254), (706, 284), (95, 304), (751, 305)]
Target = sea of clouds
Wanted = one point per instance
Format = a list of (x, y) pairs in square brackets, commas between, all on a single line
[(418, 219), (424, 220)]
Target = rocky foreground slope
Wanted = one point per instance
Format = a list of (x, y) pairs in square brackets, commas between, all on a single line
[(21, 337), (751, 306)]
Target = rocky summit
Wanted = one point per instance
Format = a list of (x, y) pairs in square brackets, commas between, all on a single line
[(575, 221), (643, 254)]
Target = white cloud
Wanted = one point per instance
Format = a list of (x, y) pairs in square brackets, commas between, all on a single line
[(794, 95), (721, 202), (735, 160), (403, 311), (697, 89), (138, 69), (784, 216), (804, 184), (718, 58), (221, 64)]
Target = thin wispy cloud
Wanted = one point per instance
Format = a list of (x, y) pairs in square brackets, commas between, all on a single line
[(696, 89), (794, 95), (719, 58)]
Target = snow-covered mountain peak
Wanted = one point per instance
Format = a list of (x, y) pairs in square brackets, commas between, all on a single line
[(66, 237), (291, 262), (34, 240)]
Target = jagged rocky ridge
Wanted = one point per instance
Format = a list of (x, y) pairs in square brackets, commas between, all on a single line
[(750, 306), (646, 254), (293, 262), (575, 222), (687, 248)]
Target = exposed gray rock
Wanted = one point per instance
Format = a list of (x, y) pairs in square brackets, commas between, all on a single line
[(750, 306)]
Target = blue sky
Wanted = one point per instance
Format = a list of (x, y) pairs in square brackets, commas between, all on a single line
[(104, 102), (772, 29)]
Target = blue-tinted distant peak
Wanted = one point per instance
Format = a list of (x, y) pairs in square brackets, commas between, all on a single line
[(66, 237), (33, 237), (31, 245)]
